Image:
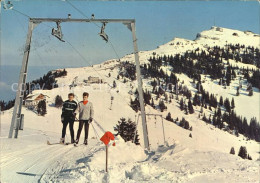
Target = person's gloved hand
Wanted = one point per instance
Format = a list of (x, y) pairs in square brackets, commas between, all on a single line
[(90, 120), (62, 118), (74, 116)]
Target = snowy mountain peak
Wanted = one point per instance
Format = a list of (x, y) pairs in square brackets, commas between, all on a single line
[(221, 36)]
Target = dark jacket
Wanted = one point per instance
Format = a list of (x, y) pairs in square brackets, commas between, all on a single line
[(68, 109)]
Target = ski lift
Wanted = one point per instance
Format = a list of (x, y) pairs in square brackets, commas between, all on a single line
[(8, 5), (57, 32), (149, 118), (92, 16), (155, 120), (102, 32), (112, 98)]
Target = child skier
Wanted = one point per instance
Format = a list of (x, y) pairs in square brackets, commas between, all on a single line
[(86, 112), (68, 117)]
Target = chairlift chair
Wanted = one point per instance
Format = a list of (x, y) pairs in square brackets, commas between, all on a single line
[(57, 32), (102, 32), (8, 5)]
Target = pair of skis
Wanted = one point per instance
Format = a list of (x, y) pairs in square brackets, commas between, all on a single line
[(49, 143), (67, 143)]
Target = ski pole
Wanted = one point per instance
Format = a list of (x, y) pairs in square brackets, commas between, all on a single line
[(95, 131)]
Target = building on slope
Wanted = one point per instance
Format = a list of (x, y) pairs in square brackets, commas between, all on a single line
[(32, 100)]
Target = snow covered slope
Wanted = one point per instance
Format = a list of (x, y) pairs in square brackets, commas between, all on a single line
[(203, 158)]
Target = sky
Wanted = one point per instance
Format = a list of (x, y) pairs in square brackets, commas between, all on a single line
[(157, 22)]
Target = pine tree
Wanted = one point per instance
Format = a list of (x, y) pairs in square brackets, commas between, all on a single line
[(169, 117), (219, 112), (190, 135), (242, 152), (195, 100), (162, 106), (181, 104), (201, 110), (58, 101), (126, 129), (227, 105), (249, 87), (191, 110), (214, 120), (221, 101), (228, 75), (135, 105), (152, 103), (210, 108), (250, 93), (41, 108), (232, 150), (232, 104), (186, 125), (237, 94), (204, 118), (186, 109)]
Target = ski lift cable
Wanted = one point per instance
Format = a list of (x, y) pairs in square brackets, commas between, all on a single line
[(21, 13), (94, 68), (77, 52), (80, 12), (111, 44), (83, 15), (92, 22), (86, 60), (36, 51), (30, 17)]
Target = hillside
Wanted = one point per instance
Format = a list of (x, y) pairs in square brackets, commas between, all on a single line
[(204, 157)]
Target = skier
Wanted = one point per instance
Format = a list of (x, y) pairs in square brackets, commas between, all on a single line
[(86, 112), (68, 117)]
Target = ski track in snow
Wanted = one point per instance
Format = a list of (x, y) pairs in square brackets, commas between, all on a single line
[(34, 165)]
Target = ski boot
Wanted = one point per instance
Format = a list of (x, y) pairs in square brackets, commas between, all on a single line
[(86, 142), (76, 142), (62, 141)]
